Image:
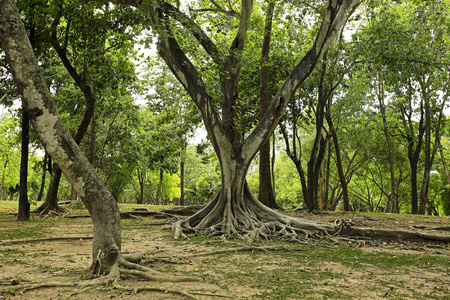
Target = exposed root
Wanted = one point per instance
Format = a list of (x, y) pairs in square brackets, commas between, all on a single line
[(49, 239), (154, 289), (250, 220), (134, 269), (48, 209), (183, 210), (211, 295), (118, 266), (251, 248)]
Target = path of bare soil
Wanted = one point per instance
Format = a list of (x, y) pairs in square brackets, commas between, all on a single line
[(354, 269)]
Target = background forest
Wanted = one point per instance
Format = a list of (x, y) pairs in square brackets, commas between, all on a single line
[(367, 131)]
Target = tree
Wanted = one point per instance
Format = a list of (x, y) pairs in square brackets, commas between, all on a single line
[(234, 210), (9, 154), (54, 135), (170, 121), (412, 71), (49, 127), (76, 46)]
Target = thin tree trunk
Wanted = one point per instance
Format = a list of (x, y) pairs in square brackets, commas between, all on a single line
[(44, 173), (182, 181), (393, 196), (272, 167), (444, 163), (319, 145), (141, 198), (24, 205), (413, 155), (414, 206), (341, 174), (428, 156), (295, 155), (51, 198), (140, 175), (321, 195), (91, 140), (158, 199), (327, 176), (2, 186)]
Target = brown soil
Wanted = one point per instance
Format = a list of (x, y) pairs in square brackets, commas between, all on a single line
[(62, 261)]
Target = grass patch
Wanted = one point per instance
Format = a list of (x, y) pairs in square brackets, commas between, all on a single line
[(322, 272), (22, 232)]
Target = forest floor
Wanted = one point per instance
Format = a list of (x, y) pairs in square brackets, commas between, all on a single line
[(350, 268)]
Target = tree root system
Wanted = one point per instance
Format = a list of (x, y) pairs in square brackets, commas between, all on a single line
[(248, 219), (122, 266), (48, 239)]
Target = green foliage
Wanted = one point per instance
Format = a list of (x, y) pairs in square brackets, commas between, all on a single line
[(445, 201), (202, 176), (10, 161), (397, 45)]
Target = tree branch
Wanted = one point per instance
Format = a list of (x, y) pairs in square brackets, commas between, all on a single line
[(334, 18), (196, 31), (81, 82)]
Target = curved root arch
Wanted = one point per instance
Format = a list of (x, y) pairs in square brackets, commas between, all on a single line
[(247, 218), (113, 263)]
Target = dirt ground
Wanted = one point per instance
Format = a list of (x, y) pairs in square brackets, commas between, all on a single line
[(52, 263)]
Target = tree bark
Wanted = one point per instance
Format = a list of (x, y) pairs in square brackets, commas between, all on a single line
[(2, 187), (44, 173), (266, 192), (91, 142), (56, 139), (182, 176), (24, 205), (427, 158), (141, 179), (413, 153), (394, 195), (342, 178), (319, 146)]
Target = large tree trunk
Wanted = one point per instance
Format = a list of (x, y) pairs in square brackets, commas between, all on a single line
[(224, 131), (56, 139), (24, 205)]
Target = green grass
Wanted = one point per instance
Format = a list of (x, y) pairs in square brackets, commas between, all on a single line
[(302, 275)]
